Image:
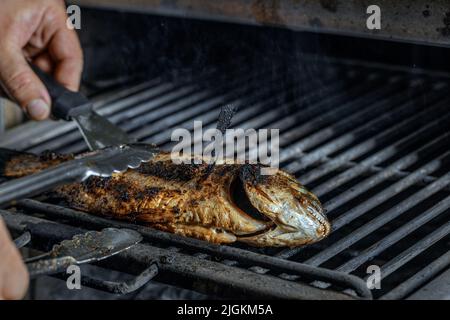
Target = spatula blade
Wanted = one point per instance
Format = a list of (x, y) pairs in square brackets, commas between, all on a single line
[(99, 132), (97, 245)]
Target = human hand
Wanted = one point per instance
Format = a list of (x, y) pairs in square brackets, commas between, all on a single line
[(13, 273), (36, 31)]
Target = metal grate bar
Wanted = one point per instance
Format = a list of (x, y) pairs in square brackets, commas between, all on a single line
[(418, 279), (387, 193), (109, 104), (366, 135), (413, 251), (211, 116), (365, 185), (383, 139), (270, 93), (321, 136), (30, 134), (34, 135), (402, 174), (324, 113), (379, 221), (320, 114), (164, 126), (262, 118), (377, 169), (368, 183), (312, 100), (70, 133), (396, 236), (150, 100), (141, 256), (350, 122), (244, 256), (131, 95)]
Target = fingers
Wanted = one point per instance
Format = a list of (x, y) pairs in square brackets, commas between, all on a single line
[(38, 33), (14, 278), (65, 51), (22, 84), (63, 48), (44, 62)]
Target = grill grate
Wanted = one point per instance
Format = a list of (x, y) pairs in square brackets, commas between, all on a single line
[(371, 141)]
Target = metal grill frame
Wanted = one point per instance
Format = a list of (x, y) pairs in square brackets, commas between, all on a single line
[(148, 97)]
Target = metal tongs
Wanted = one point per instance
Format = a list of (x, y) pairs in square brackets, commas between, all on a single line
[(116, 152), (102, 163), (92, 246)]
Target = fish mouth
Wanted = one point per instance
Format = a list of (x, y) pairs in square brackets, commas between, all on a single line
[(257, 233)]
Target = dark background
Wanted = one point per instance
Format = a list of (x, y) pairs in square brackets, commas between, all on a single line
[(119, 44)]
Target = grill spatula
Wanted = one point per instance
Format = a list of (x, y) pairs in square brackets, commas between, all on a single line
[(90, 247), (67, 105), (118, 152)]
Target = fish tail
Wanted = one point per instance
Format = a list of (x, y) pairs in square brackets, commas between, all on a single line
[(14, 163)]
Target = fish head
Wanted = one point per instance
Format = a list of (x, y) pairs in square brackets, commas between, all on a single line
[(293, 215)]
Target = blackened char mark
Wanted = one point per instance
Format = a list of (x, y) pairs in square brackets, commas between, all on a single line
[(147, 193), (52, 156), (93, 183), (252, 174), (170, 171), (123, 192), (152, 192)]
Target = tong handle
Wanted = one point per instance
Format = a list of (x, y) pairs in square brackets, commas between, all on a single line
[(23, 240), (49, 267), (122, 288), (65, 103), (40, 182)]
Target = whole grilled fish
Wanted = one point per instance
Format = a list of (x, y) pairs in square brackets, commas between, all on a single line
[(231, 202)]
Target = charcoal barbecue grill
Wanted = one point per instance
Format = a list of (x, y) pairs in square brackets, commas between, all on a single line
[(371, 139)]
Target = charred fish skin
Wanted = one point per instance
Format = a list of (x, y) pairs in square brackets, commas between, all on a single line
[(231, 203), (16, 164)]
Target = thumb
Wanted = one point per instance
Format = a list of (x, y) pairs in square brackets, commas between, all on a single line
[(22, 84)]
